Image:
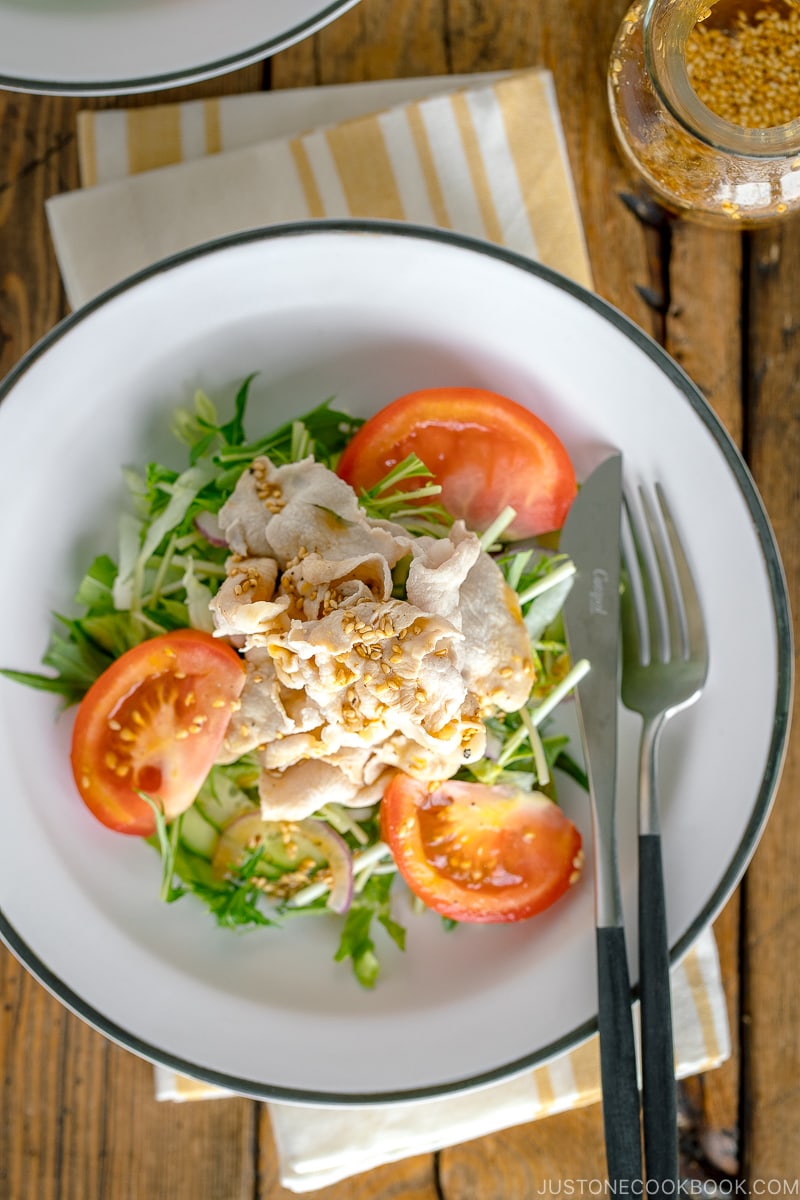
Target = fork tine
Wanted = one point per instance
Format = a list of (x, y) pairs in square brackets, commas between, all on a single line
[(647, 586), (696, 642), (676, 641), (633, 605)]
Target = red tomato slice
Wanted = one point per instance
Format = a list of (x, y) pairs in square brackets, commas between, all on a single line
[(486, 451), (154, 722), (478, 853)]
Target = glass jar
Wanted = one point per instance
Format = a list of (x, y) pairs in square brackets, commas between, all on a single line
[(705, 102)]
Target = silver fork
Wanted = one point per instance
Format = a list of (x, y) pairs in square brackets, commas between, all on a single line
[(664, 668)]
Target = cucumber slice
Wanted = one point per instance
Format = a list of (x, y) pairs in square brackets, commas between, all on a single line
[(220, 800), (281, 851), (198, 835)]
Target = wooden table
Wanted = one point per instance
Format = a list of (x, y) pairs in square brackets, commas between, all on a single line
[(78, 1119)]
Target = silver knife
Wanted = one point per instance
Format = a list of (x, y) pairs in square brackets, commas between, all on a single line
[(591, 537)]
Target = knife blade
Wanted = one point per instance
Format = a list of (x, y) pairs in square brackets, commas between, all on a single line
[(591, 537)]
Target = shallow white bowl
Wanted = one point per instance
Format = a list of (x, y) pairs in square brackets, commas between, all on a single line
[(107, 47), (364, 312)]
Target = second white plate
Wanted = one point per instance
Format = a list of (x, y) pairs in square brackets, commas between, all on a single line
[(106, 47)]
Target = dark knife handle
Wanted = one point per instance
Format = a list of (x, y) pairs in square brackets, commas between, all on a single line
[(618, 1059), (659, 1103)]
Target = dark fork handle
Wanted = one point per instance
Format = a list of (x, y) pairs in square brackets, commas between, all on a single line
[(659, 1102), (618, 1059)]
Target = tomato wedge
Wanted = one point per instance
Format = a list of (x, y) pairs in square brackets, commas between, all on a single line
[(478, 853), (485, 450), (154, 723)]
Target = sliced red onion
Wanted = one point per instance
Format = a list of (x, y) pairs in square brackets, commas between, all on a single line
[(208, 524), (339, 859)]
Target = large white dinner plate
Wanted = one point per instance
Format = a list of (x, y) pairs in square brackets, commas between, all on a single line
[(364, 312), (102, 47)]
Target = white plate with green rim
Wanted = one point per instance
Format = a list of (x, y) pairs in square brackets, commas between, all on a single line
[(365, 312), (108, 47)]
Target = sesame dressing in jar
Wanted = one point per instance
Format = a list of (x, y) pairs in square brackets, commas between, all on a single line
[(705, 102)]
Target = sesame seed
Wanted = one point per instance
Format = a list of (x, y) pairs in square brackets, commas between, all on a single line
[(740, 71)]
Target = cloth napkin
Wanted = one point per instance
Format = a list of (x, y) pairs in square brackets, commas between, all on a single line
[(487, 159), (483, 155)]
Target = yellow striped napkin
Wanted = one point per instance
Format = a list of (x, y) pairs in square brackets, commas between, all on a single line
[(487, 160), (483, 155)]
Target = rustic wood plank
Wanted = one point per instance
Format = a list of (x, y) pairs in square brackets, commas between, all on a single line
[(703, 330), (771, 999), (374, 40), (708, 1104), (530, 1160), (80, 1121)]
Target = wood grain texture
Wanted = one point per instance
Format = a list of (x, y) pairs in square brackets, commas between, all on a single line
[(771, 997), (374, 40), (80, 1121), (530, 1160)]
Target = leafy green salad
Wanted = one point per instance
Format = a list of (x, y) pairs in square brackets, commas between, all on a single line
[(308, 695)]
